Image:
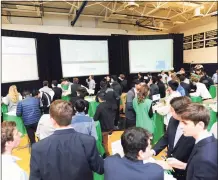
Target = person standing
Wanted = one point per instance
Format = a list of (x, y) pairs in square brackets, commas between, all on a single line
[(91, 82), (57, 90), (66, 154), (215, 77), (29, 110)]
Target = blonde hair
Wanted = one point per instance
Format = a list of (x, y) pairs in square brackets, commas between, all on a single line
[(13, 93)]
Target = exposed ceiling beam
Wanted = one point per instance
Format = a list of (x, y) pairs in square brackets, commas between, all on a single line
[(78, 13), (5, 20), (156, 8)]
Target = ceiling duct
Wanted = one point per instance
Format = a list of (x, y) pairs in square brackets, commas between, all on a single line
[(131, 5)]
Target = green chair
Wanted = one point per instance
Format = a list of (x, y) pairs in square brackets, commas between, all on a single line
[(196, 99), (213, 119), (213, 91)]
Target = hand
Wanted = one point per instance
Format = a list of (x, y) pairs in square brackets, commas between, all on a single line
[(173, 162), (163, 164)]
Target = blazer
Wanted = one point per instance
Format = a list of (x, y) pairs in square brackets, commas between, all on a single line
[(186, 88), (74, 88), (202, 163), (66, 154), (57, 93), (182, 149), (117, 168)]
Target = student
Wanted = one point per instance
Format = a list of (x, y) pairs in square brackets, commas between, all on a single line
[(215, 77), (129, 112), (186, 86), (161, 86), (136, 146), (91, 82), (154, 89), (178, 146), (143, 108), (164, 77), (202, 163), (74, 87), (10, 139), (57, 90), (47, 90), (12, 99), (82, 123), (205, 79), (201, 90), (29, 110), (66, 154), (105, 114)]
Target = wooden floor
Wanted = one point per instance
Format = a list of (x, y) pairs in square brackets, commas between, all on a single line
[(24, 154)]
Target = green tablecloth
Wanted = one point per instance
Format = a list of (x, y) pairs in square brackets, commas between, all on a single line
[(159, 127), (196, 99), (213, 119), (92, 108), (212, 91)]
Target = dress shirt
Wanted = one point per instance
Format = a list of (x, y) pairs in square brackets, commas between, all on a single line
[(45, 127), (10, 169), (179, 133), (91, 83), (203, 136), (215, 78), (201, 91)]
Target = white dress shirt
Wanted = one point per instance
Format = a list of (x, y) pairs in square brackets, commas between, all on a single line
[(10, 169), (203, 136), (215, 78), (201, 91), (45, 127), (214, 129), (179, 133)]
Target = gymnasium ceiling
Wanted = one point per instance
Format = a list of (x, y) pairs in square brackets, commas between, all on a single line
[(154, 15)]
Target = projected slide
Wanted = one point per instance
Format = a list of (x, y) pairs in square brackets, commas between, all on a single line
[(19, 60), (150, 55), (84, 58)]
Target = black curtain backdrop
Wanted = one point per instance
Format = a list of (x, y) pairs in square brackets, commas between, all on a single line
[(49, 56)]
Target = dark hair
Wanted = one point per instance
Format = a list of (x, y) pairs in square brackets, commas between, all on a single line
[(35, 92), (154, 79), (114, 77), (133, 140), (75, 80), (122, 76), (101, 95), (61, 111), (136, 81), (55, 82), (80, 105), (82, 91), (196, 112), (7, 133), (182, 78), (159, 77), (103, 84), (173, 84), (26, 93), (179, 104), (143, 93), (45, 83)]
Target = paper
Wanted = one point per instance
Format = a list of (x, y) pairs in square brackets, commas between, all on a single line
[(117, 148)]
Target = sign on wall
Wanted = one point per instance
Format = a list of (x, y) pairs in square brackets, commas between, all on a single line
[(187, 39), (211, 34), (198, 37), (210, 43), (198, 44), (187, 46)]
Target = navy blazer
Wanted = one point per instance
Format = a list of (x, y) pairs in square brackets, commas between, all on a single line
[(202, 164), (117, 168), (186, 88), (65, 155), (182, 149)]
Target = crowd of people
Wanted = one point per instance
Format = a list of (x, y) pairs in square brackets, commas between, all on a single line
[(66, 147)]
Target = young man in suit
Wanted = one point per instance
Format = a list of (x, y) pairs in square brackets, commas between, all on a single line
[(57, 90), (66, 154), (179, 146), (136, 146), (202, 163)]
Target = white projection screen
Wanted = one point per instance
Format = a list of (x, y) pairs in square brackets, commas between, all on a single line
[(150, 55), (84, 57), (19, 59)]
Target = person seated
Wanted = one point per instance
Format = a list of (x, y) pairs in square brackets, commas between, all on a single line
[(12, 99), (105, 114), (201, 90), (205, 79), (137, 148), (180, 89), (57, 90), (10, 139), (45, 127), (154, 89), (91, 82), (47, 90), (184, 85), (215, 77), (81, 94), (74, 87), (161, 86), (143, 108), (82, 123), (29, 110), (170, 73)]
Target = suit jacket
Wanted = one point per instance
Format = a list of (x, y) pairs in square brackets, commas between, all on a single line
[(186, 88), (183, 147), (202, 163), (57, 93), (117, 168), (74, 88), (66, 154)]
